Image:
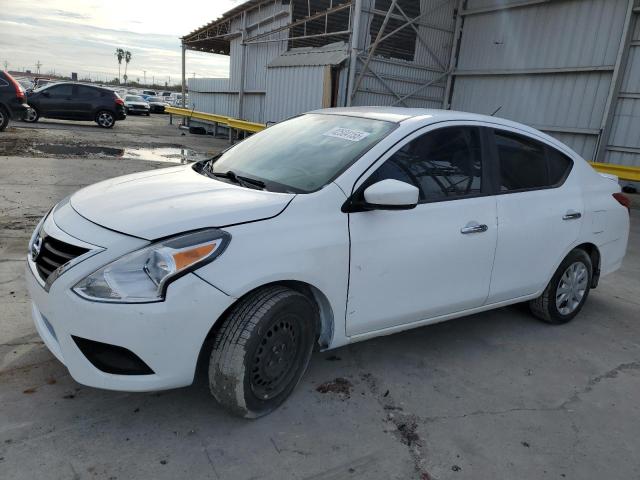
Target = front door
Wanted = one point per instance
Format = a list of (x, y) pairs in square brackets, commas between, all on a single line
[(435, 259)]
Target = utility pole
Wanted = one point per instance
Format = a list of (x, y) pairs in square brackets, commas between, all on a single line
[(153, 79), (38, 65), (194, 74), (145, 76), (6, 65)]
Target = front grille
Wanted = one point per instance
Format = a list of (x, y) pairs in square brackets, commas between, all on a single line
[(55, 253)]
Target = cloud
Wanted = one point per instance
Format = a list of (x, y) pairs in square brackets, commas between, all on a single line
[(89, 50), (67, 14)]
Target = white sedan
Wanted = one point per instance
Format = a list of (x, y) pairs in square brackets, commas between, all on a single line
[(326, 229)]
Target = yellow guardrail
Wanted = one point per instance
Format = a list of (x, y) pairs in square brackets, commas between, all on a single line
[(631, 174), (212, 117)]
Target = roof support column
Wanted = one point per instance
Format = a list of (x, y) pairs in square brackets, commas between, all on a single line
[(243, 66), (184, 78), (356, 14)]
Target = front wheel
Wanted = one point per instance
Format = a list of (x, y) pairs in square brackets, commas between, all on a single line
[(567, 291), (31, 116), (262, 350), (105, 119)]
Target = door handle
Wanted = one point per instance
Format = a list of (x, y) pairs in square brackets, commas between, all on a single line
[(474, 228), (572, 215)]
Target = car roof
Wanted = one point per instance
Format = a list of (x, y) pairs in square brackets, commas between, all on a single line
[(429, 115)]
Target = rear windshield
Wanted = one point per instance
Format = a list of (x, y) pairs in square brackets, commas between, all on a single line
[(134, 98), (305, 153)]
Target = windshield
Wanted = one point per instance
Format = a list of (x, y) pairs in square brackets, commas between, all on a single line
[(155, 99), (305, 153), (134, 98)]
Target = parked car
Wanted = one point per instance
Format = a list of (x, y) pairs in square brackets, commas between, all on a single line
[(175, 99), (330, 228), (149, 93), (136, 104), (12, 99), (157, 104), (73, 101)]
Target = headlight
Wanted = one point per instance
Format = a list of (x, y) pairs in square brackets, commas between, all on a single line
[(143, 275)]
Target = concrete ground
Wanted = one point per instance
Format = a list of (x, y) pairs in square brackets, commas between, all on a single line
[(497, 395)]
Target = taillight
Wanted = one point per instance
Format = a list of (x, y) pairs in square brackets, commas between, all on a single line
[(119, 101), (16, 85), (623, 200)]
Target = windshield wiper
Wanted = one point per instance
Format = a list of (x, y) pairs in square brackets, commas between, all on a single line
[(240, 179)]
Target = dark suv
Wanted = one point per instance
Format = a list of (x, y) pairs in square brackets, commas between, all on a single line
[(73, 101), (12, 100)]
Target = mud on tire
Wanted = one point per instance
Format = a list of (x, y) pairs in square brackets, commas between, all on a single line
[(262, 350)]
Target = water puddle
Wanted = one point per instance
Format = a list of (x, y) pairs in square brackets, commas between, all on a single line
[(170, 154)]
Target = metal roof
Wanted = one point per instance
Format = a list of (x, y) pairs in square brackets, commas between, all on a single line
[(332, 54)]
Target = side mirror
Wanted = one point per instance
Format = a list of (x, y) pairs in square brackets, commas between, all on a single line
[(390, 195)]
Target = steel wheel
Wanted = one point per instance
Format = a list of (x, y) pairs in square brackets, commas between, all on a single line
[(572, 287), (105, 119), (31, 115), (276, 358)]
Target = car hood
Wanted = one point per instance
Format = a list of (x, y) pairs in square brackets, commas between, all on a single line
[(160, 203)]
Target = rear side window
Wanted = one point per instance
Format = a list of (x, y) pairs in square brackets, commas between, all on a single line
[(523, 162), (88, 92), (444, 164), (527, 165), (559, 166)]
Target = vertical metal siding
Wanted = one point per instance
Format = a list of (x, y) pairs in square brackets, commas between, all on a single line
[(560, 35), (293, 90), (623, 146)]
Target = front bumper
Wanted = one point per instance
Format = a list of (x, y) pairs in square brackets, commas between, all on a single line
[(167, 336)]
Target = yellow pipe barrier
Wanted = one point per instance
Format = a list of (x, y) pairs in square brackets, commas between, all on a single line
[(212, 117), (623, 172)]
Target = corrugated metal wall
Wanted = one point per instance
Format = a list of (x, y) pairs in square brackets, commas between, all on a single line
[(401, 76), (623, 146), (293, 90), (549, 65)]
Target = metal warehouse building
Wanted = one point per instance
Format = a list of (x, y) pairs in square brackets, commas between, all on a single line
[(568, 67)]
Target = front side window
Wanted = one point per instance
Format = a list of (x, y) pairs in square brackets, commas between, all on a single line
[(302, 154), (444, 164)]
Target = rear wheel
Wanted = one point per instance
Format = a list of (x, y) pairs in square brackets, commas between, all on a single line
[(262, 351), (105, 119), (31, 116), (4, 118), (567, 291)]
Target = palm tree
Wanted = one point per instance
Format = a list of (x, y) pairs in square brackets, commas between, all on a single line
[(119, 56), (127, 59)]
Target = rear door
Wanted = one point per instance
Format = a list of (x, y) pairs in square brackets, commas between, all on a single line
[(85, 102), (435, 259), (540, 208)]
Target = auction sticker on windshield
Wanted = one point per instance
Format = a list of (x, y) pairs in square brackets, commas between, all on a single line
[(346, 134)]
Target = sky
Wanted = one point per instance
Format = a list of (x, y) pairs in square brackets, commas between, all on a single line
[(81, 36)]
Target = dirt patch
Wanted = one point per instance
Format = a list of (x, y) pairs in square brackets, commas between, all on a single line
[(340, 386), (152, 152)]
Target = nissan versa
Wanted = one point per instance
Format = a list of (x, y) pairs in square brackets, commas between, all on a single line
[(330, 228)]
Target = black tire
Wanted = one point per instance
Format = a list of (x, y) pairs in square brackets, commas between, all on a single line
[(546, 307), (4, 118), (105, 119), (147, 114), (262, 350), (31, 116)]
